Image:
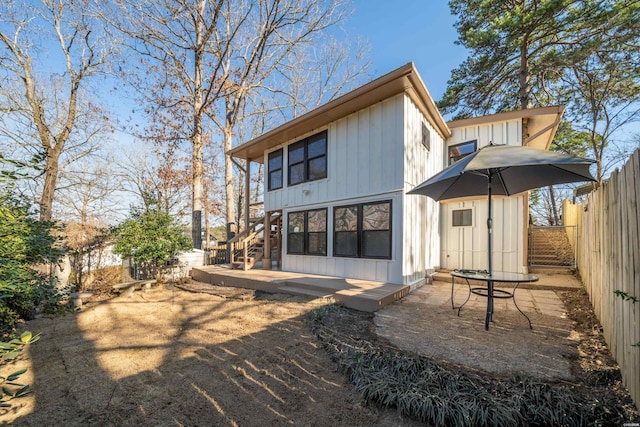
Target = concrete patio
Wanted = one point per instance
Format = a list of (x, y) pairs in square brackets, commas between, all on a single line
[(424, 322)]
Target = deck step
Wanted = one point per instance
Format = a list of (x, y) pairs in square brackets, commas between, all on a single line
[(363, 295), (305, 291)]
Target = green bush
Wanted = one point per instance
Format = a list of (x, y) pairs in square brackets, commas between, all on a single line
[(24, 243), (152, 238)]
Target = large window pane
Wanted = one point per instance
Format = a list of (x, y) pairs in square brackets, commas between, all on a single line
[(346, 219), (317, 146), (296, 222), (346, 244), (296, 152), (317, 168), (317, 244), (307, 159), (295, 243), (296, 174), (363, 230), (317, 220), (376, 244), (376, 216), (307, 232)]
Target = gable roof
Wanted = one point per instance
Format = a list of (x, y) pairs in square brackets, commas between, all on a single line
[(542, 123), (404, 79)]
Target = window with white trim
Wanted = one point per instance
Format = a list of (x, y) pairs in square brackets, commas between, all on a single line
[(462, 217)]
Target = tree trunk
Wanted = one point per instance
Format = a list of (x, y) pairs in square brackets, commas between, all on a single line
[(197, 156), (197, 178), (50, 183), (228, 176), (524, 82), (554, 208)]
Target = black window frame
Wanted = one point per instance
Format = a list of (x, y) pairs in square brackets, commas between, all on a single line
[(453, 159), (306, 234), (361, 233), (270, 171), (306, 160), (461, 217)]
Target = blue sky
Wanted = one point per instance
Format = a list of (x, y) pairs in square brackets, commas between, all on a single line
[(421, 31)]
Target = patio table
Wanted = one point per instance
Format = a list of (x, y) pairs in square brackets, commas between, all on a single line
[(489, 290)]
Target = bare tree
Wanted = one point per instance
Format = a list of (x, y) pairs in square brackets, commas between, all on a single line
[(160, 177), (177, 77), (42, 106), (258, 39), (88, 189), (321, 73), (204, 62)]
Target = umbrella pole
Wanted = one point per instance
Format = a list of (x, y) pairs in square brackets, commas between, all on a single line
[(490, 267)]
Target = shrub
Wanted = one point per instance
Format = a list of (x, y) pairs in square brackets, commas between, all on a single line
[(24, 243), (152, 238)]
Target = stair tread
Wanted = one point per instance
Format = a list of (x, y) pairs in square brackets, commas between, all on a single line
[(305, 291)]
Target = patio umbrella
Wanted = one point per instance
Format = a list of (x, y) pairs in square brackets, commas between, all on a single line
[(503, 170)]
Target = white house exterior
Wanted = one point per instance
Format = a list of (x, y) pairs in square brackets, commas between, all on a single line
[(465, 245), (339, 177)]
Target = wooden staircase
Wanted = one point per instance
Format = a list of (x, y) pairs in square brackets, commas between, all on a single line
[(550, 247), (247, 248)]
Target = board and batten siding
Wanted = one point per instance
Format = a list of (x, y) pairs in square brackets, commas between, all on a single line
[(421, 238), (504, 132), (364, 157), (466, 247), (364, 164)]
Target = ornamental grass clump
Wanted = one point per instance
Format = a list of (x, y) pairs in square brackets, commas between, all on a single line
[(442, 394)]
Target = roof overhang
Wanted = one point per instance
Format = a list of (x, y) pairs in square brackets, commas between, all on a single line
[(542, 123), (402, 80)]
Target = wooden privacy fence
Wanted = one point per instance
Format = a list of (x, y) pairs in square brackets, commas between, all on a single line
[(609, 261)]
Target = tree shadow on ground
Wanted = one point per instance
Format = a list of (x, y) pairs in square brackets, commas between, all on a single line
[(170, 357)]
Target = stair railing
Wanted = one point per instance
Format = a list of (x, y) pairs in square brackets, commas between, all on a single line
[(239, 241)]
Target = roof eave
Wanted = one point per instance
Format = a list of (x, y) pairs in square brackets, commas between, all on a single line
[(404, 79), (546, 119)]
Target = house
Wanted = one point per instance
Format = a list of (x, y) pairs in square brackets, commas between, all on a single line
[(335, 197)]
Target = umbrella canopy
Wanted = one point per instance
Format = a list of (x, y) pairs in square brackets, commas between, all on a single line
[(503, 170), (512, 169)]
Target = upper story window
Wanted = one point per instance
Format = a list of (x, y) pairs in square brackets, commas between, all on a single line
[(308, 159), (459, 151), (275, 170)]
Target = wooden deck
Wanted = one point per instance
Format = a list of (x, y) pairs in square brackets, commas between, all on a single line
[(363, 295)]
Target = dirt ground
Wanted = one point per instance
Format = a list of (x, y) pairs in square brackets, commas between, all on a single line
[(208, 356)]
